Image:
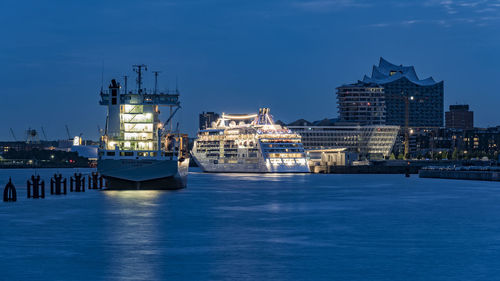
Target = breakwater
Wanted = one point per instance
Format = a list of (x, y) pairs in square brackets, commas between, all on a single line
[(462, 173)]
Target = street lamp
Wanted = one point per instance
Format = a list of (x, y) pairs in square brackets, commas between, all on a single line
[(407, 121)]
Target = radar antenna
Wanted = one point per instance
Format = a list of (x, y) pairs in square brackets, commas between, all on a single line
[(138, 69)]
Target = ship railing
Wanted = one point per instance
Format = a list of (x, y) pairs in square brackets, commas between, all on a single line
[(137, 154)]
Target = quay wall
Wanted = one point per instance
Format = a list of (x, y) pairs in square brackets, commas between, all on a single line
[(460, 175), (364, 169)]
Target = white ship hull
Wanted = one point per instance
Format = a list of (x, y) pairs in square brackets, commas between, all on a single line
[(210, 167), (144, 174)]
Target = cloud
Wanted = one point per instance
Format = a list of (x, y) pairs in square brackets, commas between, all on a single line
[(453, 7), (328, 5), (473, 12)]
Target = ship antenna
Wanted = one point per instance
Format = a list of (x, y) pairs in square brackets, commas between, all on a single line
[(125, 82), (176, 84), (156, 80), (138, 69), (102, 76)]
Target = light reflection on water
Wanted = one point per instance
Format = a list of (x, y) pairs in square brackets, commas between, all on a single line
[(133, 234), (258, 227), (133, 194)]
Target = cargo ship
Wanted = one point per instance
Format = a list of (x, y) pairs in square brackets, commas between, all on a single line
[(138, 150)]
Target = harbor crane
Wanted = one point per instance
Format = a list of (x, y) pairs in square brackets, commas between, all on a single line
[(12, 133), (67, 132), (44, 135)]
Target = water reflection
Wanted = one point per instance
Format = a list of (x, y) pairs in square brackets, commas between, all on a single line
[(133, 219), (260, 177), (133, 194)]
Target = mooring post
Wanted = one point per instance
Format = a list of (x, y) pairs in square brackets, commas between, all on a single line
[(100, 182), (65, 185), (95, 180), (52, 186), (36, 186), (79, 182), (9, 193), (71, 182), (42, 195), (28, 188)]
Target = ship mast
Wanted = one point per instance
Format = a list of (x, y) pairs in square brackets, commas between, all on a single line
[(125, 78), (138, 69), (156, 81)]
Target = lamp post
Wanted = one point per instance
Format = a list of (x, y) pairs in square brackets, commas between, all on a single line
[(407, 124)]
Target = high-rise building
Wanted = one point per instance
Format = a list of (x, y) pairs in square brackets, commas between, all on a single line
[(459, 117), (362, 103), (401, 86), (206, 119)]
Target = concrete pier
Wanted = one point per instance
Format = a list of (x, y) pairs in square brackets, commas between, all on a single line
[(461, 173)]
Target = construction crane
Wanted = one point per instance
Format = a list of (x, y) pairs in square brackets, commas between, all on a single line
[(12, 133), (67, 132), (44, 135)]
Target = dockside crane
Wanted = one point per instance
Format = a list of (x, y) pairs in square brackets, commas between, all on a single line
[(44, 135), (12, 133), (67, 132)]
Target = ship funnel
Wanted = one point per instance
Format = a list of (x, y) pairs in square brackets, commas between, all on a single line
[(113, 84)]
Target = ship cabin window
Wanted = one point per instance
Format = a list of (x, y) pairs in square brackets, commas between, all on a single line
[(110, 153), (153, 154), (127, 153)]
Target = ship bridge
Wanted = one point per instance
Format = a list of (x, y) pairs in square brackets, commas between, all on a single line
[(164, 99)]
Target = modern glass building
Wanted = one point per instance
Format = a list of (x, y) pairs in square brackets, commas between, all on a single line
[(400, 85), (372, 141), (362, 103)]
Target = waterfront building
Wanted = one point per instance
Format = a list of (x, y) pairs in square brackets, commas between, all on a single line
[(482, 141), (370, 141), (362, 103), (470, 143), (206, 119), (459, 117), (400, 85)]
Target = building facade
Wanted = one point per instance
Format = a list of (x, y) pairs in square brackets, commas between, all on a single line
[(454, 143), (401, 85), (459, 117), (206, 119), (362, 103), (372, 141)]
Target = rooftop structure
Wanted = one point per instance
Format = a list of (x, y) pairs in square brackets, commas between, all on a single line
[(459, 117)]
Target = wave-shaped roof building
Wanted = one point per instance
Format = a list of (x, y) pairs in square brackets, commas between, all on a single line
[(362, 102)]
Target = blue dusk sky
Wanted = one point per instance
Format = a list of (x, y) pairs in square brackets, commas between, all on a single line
[(236, 56)]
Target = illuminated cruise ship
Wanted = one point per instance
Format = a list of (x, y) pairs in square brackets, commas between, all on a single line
[(249, 143)]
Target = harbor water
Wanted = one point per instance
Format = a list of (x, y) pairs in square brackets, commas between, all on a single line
[(256, 227)]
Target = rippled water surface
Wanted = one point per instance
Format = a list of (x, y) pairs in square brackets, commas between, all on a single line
[(257, 227)]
